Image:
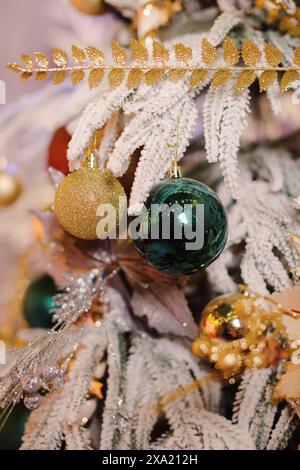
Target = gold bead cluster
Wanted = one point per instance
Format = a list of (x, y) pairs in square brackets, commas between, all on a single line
[(279, 12), (239, 331)]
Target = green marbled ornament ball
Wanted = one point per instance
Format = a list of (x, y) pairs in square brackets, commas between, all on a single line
[(208, 223), (38, 301)]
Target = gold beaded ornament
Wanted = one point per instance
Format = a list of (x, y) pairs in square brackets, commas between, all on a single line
[(283, 13), (242, 330), (82, 192)]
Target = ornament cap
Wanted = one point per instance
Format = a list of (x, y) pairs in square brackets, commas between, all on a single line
[(175, 170), (91, 160)]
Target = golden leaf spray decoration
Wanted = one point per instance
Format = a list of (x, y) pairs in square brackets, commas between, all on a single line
[(135, 78), (183, 53), (296, 58), (273, 55), (244, 80), (160, 53), (197, 77), (140, 65), (221, 77), (209, 52), (288, 78), (139, 52), (267, 79), (78, 54), (231, 52), (95, 55), (118, 53), (60, 58), (250, 53)]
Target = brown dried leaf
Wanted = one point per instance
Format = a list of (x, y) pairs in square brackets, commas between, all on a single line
[(135, 78), (290, 299), (118, 53), (139, 51), (292, 327), (59, 77), (231, 52), (156, 295), (60, 57), (165, 308), (66, 254), (273, 55), (41, 59), (95, 55), (78, 54), (296, 58), (160, 53), (116, 77), (95, 77), (250, 53), (183, 53), (77, 76), (41, 76), (288, 78), (267, 79), (209, 52), (177, 74), (221, 77), (153, 76), (26, 76), (288, 387), (244, 80), (198, 76), (16, 68)]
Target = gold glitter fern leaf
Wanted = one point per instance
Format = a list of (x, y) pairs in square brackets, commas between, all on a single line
[(140, 65)]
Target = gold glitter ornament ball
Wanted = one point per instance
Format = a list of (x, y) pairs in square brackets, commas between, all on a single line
[(10, 189), (78, 197)]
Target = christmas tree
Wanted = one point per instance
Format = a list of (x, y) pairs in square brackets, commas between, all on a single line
[(145, 335)]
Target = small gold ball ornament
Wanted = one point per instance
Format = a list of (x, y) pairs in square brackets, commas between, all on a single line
[(79, 196), (238, 331), (10, 188), (90, 7), (224, 318)]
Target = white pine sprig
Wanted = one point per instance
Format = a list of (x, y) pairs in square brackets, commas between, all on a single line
[(45, 430), (95, 115), (224, 24), (155, 157), (224, 116), (77, 438), (283, 430), (262, 218), (91, 352), (250, 393), (115, 326)]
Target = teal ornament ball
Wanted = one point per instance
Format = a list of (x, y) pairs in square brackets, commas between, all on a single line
[(38, 302), (194, 210), (13, 430)]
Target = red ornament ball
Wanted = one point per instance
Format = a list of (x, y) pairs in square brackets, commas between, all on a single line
[(57, 154)]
